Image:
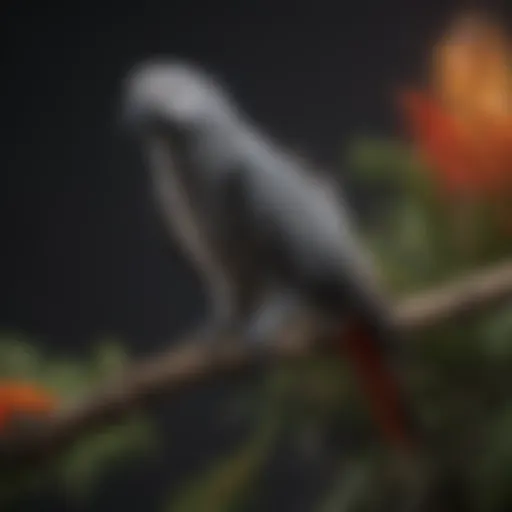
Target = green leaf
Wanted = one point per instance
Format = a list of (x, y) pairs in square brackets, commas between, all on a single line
[(493, 476), (227, 482), (18, 358), (86, 463), (349, 490), (110, 358), (496, 334)]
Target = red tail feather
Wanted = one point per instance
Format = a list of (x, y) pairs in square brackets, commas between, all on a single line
[(379, 385)]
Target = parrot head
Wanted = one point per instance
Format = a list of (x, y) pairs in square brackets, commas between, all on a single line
[(173, 97)]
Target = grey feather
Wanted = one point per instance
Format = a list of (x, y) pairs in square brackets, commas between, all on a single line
[(250, 215)]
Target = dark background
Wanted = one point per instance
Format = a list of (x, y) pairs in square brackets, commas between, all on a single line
[(81, 253)]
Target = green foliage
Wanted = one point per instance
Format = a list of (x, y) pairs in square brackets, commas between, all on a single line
[(81, 467), (348, 490), (459, 373), (493, 476), (228, 484), (423, 238), (359, 486), (87, 462)]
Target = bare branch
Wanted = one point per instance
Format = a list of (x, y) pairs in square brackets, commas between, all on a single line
[(467, 295), (194, 359)]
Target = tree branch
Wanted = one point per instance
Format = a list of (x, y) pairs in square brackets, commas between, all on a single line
[(193, 360)]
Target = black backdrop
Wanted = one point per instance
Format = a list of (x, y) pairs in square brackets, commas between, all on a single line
[(81, 253)]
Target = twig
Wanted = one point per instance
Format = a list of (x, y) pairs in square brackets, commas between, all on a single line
[(194, 360), (467, 295)]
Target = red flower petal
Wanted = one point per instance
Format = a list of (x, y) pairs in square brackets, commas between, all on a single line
[(442, 140)]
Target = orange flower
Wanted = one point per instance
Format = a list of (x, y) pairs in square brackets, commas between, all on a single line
[(470, 69), (444, 142), (23, 399), (463, 126)]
